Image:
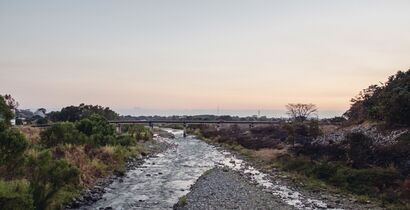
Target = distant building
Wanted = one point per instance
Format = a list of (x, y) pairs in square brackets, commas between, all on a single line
[(40, 113)]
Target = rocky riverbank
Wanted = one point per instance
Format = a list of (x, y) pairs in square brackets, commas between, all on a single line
[(223, 188), (283, 185)]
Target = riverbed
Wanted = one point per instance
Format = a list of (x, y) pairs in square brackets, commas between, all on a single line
[(164, 178)]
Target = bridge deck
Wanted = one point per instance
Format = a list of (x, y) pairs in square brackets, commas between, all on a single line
[(192, 122), (150, 122)]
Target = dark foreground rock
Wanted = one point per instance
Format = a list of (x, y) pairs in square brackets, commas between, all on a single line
[(222, 188)]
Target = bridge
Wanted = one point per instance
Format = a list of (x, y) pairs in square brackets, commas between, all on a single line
[(185, 123)]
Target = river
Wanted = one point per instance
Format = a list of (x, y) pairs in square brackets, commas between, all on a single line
[(161, 180)]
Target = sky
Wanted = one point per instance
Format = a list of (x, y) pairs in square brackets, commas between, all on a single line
[(161, 56)]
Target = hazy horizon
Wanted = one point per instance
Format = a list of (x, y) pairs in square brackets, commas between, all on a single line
[(195, 55)]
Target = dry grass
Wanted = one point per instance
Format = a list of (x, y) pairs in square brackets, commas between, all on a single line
[(108, 149), (91, 167), (326, 129), (32, 134), (270, 154)]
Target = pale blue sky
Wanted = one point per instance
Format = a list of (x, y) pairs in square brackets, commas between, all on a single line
[(199, 54)]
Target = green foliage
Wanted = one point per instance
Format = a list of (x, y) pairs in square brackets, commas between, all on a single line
[(93, 130), (369, 181), (182, 201), (5, 114), (62, 133), (76, 113), (12, 146), (95, 124), (125, 141), (48, 177), (15, 195), (389, 102), (139, 132)]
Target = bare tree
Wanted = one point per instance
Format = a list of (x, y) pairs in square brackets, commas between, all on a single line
[(11, 102), (300, 112)]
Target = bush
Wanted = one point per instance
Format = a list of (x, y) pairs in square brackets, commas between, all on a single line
[(62, 133), (125, 141), (95, 124), (15, 195), (48, 177), (12, 146), (370, 181), (360, 149), (5, 114), (101, 140), (397, 154)]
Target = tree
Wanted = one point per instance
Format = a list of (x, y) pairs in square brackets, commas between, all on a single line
[(76, 113), (300, 112), (389, 102), (11, 102), (12, 146), (5, 113), (48, 177), (62, 133)]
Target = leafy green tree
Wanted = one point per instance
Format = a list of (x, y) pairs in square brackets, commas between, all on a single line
[(48, 177), (5, 114), (12, 146), (76, 113), (62, 133), (389, 102), (95, 124)]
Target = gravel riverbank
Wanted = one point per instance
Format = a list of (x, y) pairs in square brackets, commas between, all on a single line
[(223, 188)]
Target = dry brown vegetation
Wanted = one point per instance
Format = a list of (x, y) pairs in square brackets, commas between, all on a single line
[(270, 154), (32, 134), (93, 162)]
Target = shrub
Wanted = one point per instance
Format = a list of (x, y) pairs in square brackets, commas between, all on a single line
[(48, 177), (360, 149), (15, 195), (95, 124), (12, 146), (102, 140), (125, 141), (62, 133), (5, 114)]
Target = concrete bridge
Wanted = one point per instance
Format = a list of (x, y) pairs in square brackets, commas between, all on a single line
[(185, 123)]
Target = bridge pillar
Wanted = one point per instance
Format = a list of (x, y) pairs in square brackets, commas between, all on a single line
[(118, 128), (151, 126), (185, 127)]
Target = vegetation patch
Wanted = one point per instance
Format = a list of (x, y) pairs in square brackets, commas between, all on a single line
[(45, 169)]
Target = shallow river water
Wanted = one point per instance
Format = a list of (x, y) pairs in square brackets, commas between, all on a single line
[(161, 180)]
